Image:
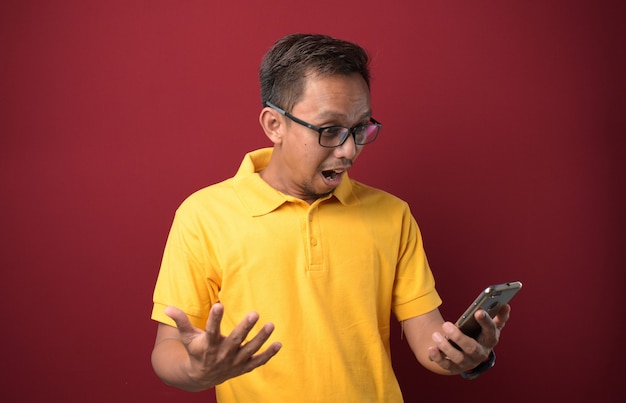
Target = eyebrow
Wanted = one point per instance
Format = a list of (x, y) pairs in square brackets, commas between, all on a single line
[(329, 115)]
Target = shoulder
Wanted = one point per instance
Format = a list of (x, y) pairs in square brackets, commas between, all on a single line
[(215, 194), (371, 196)]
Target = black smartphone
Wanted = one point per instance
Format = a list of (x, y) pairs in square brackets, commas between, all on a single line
[(490, 300)]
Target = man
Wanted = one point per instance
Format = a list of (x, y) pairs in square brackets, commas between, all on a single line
[(320, 257)]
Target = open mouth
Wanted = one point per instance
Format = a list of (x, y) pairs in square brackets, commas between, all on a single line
[(330, 174)]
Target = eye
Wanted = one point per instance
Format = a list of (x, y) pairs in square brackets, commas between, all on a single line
[(361, 129), (334, 131)]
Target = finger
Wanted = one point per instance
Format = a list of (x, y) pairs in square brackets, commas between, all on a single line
[(485, 321), (462, 343), (454, 359), (503, 316), (448, 351), (258, 340), (490, 333), (213, 324), (180, 318), (265, 356), (240, 332), (437, 356)]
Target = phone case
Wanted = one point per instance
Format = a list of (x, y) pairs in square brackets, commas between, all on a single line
[(490, 300)]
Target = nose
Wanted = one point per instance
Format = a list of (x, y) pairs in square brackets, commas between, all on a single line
[(348, 149)]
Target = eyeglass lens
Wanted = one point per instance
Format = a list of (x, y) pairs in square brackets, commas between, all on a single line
[(335, 136)]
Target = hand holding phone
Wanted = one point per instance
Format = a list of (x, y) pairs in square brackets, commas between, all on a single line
[(490, 300)]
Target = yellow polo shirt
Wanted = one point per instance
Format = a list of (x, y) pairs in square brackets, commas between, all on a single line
[(327, 275)]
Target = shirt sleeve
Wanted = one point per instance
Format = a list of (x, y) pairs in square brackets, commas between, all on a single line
[(185, 278), (414, 289)]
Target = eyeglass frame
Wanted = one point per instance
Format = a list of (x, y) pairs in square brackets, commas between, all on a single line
[(319, 129)]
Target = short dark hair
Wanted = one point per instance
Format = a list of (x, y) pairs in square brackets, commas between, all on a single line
[(287, 64)]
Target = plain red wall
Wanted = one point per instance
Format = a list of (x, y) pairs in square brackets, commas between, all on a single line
[(502, 129)]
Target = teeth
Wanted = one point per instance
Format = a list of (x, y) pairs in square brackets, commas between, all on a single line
[(331, 175)]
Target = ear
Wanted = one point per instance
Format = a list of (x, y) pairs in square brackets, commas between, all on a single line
[(273, 124)]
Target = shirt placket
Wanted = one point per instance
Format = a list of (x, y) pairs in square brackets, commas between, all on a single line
[(314, 240)]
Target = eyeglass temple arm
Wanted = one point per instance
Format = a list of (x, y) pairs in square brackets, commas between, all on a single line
[(271, 105), (290, 116), (302, 122)]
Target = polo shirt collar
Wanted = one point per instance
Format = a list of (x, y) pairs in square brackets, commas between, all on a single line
[(260, 198)]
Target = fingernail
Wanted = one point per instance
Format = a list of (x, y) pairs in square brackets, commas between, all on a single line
[(437, 337), (431, 353), (448, 327)]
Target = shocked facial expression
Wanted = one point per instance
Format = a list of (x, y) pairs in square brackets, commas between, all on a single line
[(305, 169)]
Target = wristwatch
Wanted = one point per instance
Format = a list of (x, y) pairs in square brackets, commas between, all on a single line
[(481, 368)]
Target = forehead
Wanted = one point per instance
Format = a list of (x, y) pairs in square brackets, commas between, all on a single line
[(344, 94)]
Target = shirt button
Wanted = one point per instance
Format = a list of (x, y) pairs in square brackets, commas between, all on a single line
[(314, 242)]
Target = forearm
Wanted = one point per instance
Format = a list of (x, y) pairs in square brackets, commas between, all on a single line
[(418, 332)]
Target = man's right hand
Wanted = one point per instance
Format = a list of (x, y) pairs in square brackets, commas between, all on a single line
[(194, 359)]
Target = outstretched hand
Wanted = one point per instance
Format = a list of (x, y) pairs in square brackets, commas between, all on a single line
[(215, 358)]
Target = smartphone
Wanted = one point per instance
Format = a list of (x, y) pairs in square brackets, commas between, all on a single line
[(490, 300)]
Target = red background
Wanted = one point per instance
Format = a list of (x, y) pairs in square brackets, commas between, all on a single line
[(502, 129)]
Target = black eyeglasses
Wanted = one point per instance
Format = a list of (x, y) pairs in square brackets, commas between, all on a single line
[(334, 136)]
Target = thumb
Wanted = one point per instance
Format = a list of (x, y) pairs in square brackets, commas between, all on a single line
[(180, 318)]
